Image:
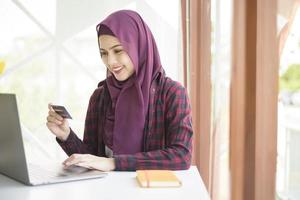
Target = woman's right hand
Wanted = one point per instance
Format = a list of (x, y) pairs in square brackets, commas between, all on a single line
[(57, 125)]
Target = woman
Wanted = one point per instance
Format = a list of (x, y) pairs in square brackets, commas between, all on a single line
[(137, 118)]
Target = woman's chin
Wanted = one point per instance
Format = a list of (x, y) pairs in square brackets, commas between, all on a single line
[(121, 78)]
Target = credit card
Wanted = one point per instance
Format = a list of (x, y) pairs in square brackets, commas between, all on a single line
[(62, 111)]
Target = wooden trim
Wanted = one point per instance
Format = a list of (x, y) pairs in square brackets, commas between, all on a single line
[(200, 85), (266, 100), (184, 39), (253, 117), (237, 100)]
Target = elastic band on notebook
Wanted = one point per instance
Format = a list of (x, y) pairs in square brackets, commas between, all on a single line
[(147, 178)]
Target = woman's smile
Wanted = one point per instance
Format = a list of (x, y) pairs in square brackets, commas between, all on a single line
[(117, 70)]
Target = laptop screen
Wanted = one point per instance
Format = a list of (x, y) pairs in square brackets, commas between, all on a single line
[(12, 154)]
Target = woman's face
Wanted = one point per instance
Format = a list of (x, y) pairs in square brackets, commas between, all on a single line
[(115, 57)]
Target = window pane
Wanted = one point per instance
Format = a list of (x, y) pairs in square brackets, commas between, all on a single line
[(288, 157), (51, 54), (221, 69)]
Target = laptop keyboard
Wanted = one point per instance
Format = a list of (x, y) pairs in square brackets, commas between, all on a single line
[(50, 174), (38, 173)]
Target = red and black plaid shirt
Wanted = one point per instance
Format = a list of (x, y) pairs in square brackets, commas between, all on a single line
[(167, 133)]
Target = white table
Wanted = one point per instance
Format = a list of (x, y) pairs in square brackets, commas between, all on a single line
[(117, 185)]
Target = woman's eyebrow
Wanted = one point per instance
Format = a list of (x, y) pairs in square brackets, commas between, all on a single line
[(112, 47)]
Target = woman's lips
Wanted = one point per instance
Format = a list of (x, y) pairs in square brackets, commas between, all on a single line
[(117, 70)]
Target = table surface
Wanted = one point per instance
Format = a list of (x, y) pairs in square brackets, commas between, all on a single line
[(117, 185)]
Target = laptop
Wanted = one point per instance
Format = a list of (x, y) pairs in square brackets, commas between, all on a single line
[(13, 161)]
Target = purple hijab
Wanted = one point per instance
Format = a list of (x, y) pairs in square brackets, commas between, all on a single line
[(125, 119)]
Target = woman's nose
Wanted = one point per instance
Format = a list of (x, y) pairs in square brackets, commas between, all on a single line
[(111, 60)]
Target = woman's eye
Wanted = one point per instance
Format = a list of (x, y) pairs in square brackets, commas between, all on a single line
[(118, 50), (103, 54)]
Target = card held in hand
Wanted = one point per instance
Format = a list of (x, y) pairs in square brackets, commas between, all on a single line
[(62, 111)]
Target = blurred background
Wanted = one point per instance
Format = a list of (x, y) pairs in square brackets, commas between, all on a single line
[(49, 53), (288, 149)]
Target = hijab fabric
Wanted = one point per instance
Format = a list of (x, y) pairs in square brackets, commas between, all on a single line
[(125, 119)]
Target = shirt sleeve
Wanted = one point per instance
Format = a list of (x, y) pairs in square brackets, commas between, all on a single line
[(90, 142), (178, 151)]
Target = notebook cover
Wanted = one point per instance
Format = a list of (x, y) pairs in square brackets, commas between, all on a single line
[(157, 178)]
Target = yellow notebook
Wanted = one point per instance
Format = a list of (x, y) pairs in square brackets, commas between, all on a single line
[(157, 178)]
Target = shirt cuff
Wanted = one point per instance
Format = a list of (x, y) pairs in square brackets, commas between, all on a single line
[(125, 162), (68, 141)]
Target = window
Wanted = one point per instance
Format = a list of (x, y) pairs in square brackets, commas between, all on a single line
[(288, 162), (51, 54), (221, 70)]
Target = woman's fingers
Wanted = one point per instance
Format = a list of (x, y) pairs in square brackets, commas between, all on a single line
[(54, 120), (82, 160), (57, 124), (74, 159), (54, 114), (50, 124), (84, 164), (91, 162)]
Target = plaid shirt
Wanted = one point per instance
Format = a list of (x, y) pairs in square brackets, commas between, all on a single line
[(167, 132)]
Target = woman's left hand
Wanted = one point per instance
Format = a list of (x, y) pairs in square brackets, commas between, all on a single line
[(91, 162)]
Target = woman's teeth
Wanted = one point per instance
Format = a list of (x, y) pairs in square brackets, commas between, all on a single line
[(118, 69)]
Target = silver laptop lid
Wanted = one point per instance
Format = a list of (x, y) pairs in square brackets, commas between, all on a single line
[(12, 154)]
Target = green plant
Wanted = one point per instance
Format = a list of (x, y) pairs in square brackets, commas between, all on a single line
[(290, 80)]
